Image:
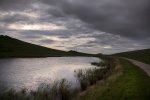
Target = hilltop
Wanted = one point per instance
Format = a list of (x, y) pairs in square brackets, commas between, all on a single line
[(140, 55), (11, 47)]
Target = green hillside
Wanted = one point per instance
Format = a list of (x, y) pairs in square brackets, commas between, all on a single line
[(10, 47), (127, 83), (140, 55)]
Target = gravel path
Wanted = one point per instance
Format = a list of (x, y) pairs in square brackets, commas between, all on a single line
[(143, 66)]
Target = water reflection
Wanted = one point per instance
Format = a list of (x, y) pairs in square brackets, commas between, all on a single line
[(30, 72)]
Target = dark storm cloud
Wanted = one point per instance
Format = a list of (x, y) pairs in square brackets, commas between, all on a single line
[(93, 26), (15, 4), (60, 33), (47, 41), (112, 45), (31, 36), (13, 18), (124, 17)]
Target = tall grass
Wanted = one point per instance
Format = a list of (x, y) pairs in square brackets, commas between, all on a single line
[(59, 90), (91, 76), (99, 64)]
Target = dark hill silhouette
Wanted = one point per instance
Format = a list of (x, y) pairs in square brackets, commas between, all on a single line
[(11, 47)]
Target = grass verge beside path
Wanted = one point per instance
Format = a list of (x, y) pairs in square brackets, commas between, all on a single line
[(132, 84)]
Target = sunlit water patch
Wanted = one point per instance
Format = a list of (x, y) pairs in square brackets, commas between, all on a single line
[(30, 72)]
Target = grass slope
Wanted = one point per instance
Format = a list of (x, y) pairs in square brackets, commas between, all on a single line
[(140, 55), (133, 84), (10, 47)]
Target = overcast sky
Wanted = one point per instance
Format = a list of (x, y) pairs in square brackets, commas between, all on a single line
[(93, 26)]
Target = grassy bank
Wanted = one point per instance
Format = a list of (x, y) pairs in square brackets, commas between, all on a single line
[(140, 55), (132, 84)]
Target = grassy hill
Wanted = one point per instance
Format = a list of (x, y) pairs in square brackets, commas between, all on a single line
[(10, 47), (127, 83), (140, 55)]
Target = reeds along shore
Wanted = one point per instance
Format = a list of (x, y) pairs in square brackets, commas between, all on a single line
[(62, 90), (91, 76), (59, 90)]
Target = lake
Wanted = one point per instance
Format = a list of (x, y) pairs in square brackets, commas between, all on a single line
[(29, 73)]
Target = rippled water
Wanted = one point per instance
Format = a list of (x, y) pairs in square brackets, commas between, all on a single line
[(30, 72)]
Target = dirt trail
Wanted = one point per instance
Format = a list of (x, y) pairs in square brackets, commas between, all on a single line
[(143, 66)]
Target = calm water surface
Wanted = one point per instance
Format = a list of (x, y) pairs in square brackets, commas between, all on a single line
[(30, 72)]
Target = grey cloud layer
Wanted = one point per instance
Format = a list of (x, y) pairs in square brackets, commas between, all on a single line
[(124, 17), (125, 23)]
